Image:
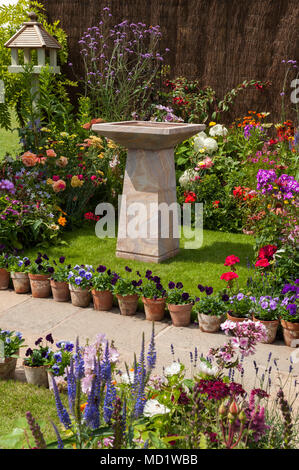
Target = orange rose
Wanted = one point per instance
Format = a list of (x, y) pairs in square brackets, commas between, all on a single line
[(29, 159), (51, 153), (58, 186)]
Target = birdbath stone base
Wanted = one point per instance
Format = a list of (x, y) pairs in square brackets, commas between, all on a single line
[(148, 228)]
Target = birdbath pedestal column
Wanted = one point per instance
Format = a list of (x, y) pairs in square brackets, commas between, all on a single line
[(149, 181)]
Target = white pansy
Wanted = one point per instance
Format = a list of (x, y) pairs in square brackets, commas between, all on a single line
[(204, 368), (186, 177), (218, 129), (153, 408), (173, 369)]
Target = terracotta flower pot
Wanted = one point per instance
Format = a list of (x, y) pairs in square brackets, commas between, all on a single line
[(271, 327), (7, 368), (180, 314), (154, 308), (80, 297), (37, 375), (21, 282), (40, 285), (209, 323), (4, 279), (102, 300), (290, 333), (127, 304), (60, 291), (236, 319)]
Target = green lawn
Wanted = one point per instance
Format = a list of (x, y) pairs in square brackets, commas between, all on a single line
[(9, 140), (16, 398), (192, 267)]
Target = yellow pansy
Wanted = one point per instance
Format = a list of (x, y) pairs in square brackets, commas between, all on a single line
[(212, 124)]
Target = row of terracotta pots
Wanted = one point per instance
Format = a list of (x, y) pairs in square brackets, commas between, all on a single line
[(41, 287), (211, 324)]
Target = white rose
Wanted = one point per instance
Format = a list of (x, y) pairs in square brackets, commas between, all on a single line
[(173, 369), (218, 129), (153, 407)]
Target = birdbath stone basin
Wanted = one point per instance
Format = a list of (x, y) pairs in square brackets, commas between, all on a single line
[(148, 222)]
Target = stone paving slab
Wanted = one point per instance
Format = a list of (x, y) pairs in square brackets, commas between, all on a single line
[(10, 299), (37, 317)]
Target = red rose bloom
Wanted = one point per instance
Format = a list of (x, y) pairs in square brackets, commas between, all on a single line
[(262, 263), (229, 276), (190, 197), (231, 260)]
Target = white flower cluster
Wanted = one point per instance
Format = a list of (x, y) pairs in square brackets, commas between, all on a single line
[(204, 142), (186, 177)]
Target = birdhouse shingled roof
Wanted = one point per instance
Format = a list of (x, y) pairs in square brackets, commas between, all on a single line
[(32, 35)]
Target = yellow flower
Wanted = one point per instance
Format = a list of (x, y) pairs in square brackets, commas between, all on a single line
[(49, 181), (82, 148), (64, 134), (212, 124), (111, 144), (45, 129), (202, 150), (101, 155), (76, 182), (100, 172), (286, 202)]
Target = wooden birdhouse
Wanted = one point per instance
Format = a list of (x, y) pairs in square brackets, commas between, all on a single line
[(33, 37)]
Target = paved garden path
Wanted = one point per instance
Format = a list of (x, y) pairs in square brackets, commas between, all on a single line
[(38, 317)]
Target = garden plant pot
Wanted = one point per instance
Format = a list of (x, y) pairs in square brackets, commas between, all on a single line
[(60, 291), (290, 333), (37, 375), (80, 297), (102, 300), (21, 282), (40, 285), (154, 308), (7, 368), (4, 279), (180, 314), (209, 323), (127, 304), (236, 319), (271, 327)]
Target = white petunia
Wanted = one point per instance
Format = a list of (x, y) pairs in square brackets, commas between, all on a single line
[(173, 369), (210, 145), (153, 408), (203, 142), (128, 379), (219, 129)]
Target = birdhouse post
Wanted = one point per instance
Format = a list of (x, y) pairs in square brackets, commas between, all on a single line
[(33, 37)]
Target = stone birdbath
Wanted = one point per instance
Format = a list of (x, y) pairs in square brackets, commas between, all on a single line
[(146, 233)]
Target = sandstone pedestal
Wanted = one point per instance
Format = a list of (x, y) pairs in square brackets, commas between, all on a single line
[(148, 222)]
